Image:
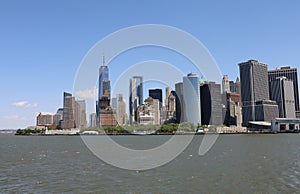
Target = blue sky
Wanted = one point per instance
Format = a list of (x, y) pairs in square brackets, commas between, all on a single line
[(43, 42)]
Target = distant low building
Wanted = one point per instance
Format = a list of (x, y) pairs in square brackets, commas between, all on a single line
[(285, 125), (44, 119)]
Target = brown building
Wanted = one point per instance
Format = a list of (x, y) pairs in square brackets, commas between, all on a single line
[(68, 121), (106, 113), (234, 97)]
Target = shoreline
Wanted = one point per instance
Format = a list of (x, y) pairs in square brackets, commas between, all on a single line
[(161, 134)]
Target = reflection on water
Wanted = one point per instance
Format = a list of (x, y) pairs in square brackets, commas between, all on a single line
[(236, 163)]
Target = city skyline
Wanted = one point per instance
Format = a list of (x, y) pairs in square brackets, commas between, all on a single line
[(40, 59)]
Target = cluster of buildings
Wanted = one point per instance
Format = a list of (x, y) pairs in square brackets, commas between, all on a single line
[(72, 115), (200, 103), (258, 99), (269, 96)]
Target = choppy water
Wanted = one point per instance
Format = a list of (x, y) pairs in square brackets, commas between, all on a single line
[(235, 164)]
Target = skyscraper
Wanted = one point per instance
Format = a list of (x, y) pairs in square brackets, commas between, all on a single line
[(167, 96), (191, 93), (135, 97), (256, 105), (68, 121), (80, 114), (103, 78), (156, 94), (104, 87), (121, 110), (282, 91), (93, 120), (180, 107), (291, 74), (211, 104)]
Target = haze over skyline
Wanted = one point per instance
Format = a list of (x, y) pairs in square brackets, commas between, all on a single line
[(43, 42)]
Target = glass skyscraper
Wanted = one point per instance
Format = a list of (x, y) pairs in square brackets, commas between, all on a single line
[(191, 96), (103, 78), (104, 85), (135, 97)]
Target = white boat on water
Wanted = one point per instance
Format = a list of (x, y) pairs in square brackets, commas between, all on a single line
[(90, 133)]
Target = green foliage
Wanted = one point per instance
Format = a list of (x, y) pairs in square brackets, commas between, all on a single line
[(167, 128), (115, 130), (28, 131)]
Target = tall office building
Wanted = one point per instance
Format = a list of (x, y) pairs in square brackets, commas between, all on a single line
[(104, 87), (282, 91), (291, 74), (211, 104), (156, 94), (255, 92), (121, 110), (191, 93), (93, 120), (80, 114), (103, 78), (68, 121), (180, 108), (167, 95), (135, 97)]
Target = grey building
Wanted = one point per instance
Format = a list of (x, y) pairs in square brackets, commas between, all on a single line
[(121, 110), (254, 88), (282, 91), (211, 104), (191, 93), (114, 103), (80, 114), (291, 74), (93, 122), (180, 108), (266, 110), (135, 97)]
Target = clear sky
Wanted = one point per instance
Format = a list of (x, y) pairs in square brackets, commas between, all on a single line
[(43, 42)]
